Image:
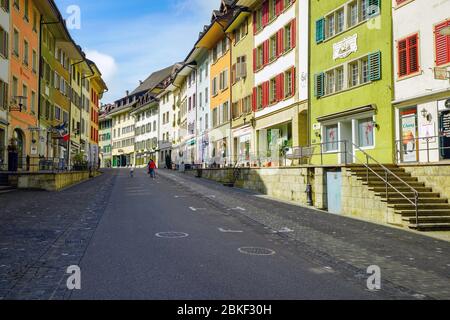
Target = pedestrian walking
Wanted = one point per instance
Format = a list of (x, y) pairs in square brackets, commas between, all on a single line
[(132, 172), (152, 169)]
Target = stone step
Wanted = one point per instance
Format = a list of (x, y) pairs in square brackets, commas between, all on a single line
[(410, 195), (391, 179), (382, 189), (401, 200), (445, 226), (421, 206), (412, 213), (380, 183), (427, 219)]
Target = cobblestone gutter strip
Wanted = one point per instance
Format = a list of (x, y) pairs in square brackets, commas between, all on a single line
[(416, 266), (43, 234)]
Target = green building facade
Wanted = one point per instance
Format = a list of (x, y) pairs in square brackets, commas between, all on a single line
[(351, 85)]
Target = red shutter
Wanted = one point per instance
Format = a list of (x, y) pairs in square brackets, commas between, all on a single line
[(266, 46), (254, 99), (255, 56), (277, 7), (402, 58), (267, 84), (293, 33), (293, 80), (281, 38), (281, 86), (442, 44), (254, 22), (265, 9)]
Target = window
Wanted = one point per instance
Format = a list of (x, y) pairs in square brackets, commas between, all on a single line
[(339, 78), (16, 43), (366, 132), (442, 44), (206, 95), (331, 138), (236, 110), (330, 82), (33, 102), (273, 48), (15, 88), (331, 25), (214, 86), (57, 113), (34, 61), (354, 74), (214, 119), (340, 21), (4, 103), (4, 4), (223, 83), (225, 112), (353, 14), (4, 43), (26, 9), (25, 96), (273, 91), (288, 38)]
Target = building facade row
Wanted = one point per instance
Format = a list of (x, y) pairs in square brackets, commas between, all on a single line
[(49, 90), (343, 78)]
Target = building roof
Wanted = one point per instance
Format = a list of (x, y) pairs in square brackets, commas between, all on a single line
[(154, 79)]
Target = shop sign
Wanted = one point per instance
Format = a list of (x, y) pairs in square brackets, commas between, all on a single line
[(345, 47)]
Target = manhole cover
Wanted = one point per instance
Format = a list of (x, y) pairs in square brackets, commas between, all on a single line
[(172, 235), (254, 251)]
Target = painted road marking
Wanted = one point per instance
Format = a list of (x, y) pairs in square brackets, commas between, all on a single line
[(230, 231), (284, 230), (237, 209), (196, 209)]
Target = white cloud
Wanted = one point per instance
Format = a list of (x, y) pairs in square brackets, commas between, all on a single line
[(106, 63)]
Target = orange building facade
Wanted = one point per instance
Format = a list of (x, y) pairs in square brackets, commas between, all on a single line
[(24, 74)]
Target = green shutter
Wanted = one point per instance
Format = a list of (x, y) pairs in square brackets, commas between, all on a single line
[(375, 66), (373, 8), (319, 84), (320, 30)]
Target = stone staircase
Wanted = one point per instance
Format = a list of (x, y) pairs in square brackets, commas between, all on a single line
[(434, 211)]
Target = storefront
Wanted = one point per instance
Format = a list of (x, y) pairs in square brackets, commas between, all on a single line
[(242, 145), (423, 132), (272, 142), (3, 145)]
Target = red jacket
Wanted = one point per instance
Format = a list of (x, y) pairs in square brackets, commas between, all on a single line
[(152, 165)]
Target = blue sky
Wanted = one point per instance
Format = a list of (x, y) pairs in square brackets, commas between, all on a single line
[(128, 40)]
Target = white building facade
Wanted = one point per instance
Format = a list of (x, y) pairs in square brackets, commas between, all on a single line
[(422, 88), (4, 80), (167, 125), (146, 118), (203, 108)]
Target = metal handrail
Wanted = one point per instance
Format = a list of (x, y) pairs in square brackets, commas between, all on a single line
[(388, 172), (418, 142)]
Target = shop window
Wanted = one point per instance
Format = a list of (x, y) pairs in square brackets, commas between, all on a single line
[(366, 132), (331, 138)]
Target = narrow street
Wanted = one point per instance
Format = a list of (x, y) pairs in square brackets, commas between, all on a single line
[(179, 237)]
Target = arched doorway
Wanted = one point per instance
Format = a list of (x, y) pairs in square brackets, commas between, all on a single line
[(20, 139)]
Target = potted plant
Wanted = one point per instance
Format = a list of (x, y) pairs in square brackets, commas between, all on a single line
[(79, 164)]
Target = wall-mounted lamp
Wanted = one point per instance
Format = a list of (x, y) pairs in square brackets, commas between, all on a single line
[(376, 125), (318, 135), (426, 115)]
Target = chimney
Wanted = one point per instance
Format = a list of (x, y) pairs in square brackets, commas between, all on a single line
[(127, 93), (140, 82)]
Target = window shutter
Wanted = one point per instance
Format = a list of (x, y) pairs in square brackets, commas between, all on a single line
[(413, 45), (442, 44), (293, 84), (280, 42), (277, 7), (293, 33), (281, 86), (266, 46), (373, 7), (266, 90), (265, 9), (320, 30), (254, 97), (375, 66), (255, 56), (402, 58), (319, 84)]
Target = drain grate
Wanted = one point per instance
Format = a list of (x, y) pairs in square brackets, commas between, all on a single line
[(255, 251), (172, 235)]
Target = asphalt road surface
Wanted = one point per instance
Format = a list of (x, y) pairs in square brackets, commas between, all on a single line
[(180, 237), (214, 249)]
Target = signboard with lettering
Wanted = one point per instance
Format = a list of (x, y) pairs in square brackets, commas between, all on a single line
[(444, 129)]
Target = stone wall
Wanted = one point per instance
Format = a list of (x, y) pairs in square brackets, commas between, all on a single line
[(47, 181), (435, 176), (280, 183), (359, 202)]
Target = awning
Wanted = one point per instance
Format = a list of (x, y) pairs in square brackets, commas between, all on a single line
[(347, 113)]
